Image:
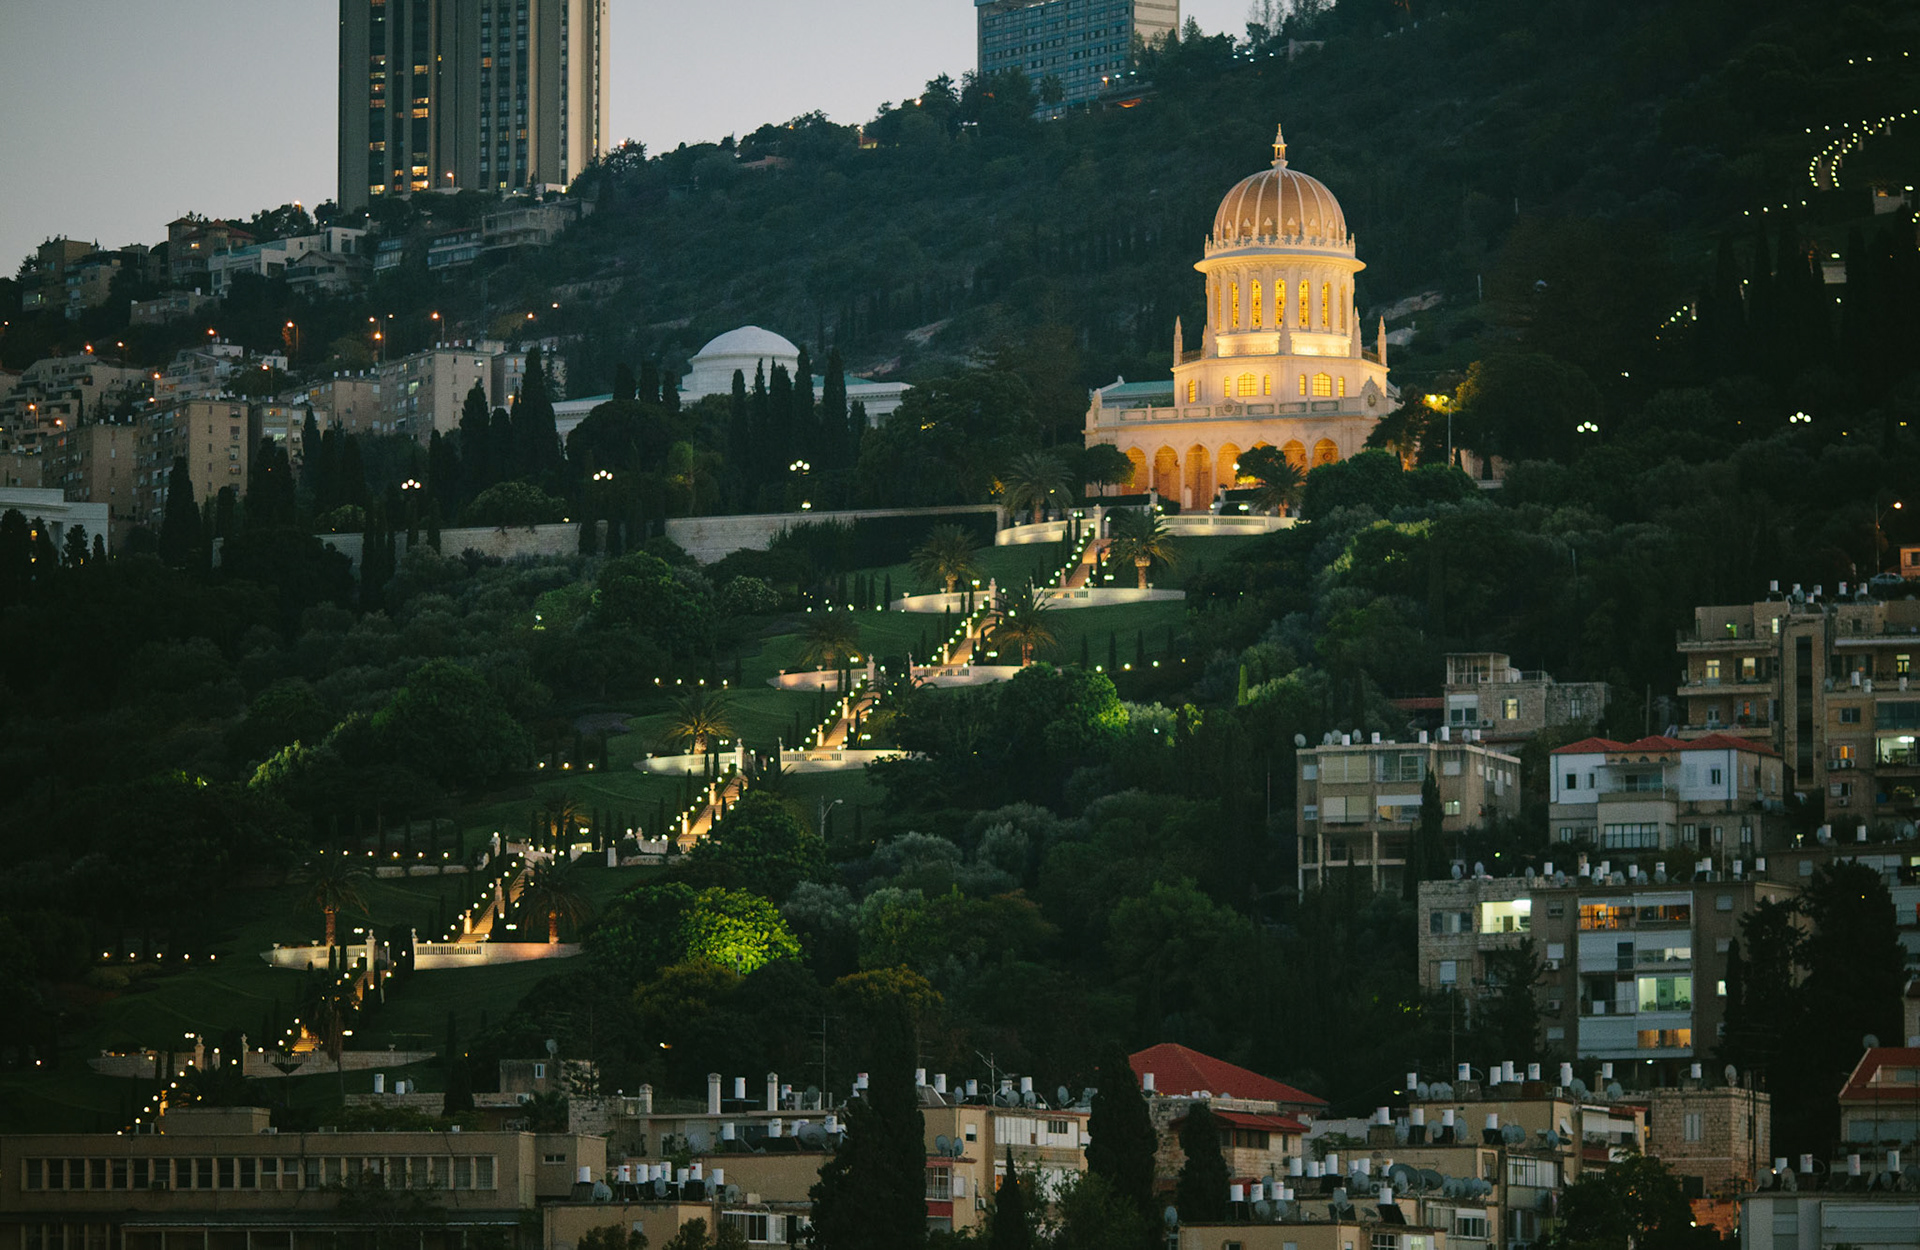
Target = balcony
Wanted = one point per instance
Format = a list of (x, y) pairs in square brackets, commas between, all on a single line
[(1740, 637), (1664, 794), (1726, 685)]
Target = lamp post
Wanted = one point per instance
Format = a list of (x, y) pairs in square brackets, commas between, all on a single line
[(1879, 522), (436, 328), (826, 809)]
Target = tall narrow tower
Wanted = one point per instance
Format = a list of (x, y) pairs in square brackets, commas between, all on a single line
[(463, 94)]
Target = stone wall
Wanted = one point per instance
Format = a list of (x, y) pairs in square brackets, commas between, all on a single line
[(509, 543), (709, 538), (1731, 1138)]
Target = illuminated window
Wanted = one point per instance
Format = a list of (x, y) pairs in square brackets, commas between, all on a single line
[(1245, 384), (1340, 309), (1266, 384), (1326, 304), (1193, 390), (1303, 384), (1279, 304), (1340, 386), (1216, 304), (1236, 305), (1322, 384), (1306, 296), (1256, 306)]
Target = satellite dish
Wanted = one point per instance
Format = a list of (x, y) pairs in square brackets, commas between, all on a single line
[(553, 1047), (1063, 1096), (1403, 1177), (1869, 1042), (1450, 1186), (733, 1193), (1732, 1074), (1577, 1087), (1299, 740), (812, 1096), (1479, 868), (602, 1192), (1614, 1092), (1029, 1099), (1457, 872), (660, 1187), (697, 1140), (1423, 1090), (1171, 1217), (1513, 1135), (1263, 1210), (1430, 1180), (813, 1135), (942, 1144)]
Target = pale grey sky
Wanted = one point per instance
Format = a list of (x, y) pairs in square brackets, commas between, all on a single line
[(117, 116)]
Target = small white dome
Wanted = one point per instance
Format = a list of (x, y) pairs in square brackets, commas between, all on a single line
[(750, 341)]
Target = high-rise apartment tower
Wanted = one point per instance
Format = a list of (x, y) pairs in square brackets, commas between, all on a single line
[(1084, 43), (470, 94)]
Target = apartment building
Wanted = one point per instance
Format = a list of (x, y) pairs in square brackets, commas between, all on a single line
[(439, 95), (1484, 691), (426, 391), (1880, 1103), (350, 401), (1712, 795), (1635, 965), (225, 1178), (1824, 682), (1083, 43), (969, 1138), (272, 258), (193, 242), (98, 463), (1717, 1138), (59, 393), (43, 279), (1358, 803), (214, 436)]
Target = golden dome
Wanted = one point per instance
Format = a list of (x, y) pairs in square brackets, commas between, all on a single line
[(1283, 204)]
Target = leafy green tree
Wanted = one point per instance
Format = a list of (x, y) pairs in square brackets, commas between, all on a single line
[(829, 640), (557, 892), (1281, 480), (613, 1237), (1508, 1014), (1120, 1155), (1103, 464), (74, 551), (1524, 406), (1090, 1214), (446, 723), (270, 485), (762, 846), (1636, 1202), (1036, 480), (735, 929), (693, 1236), (1141, 539), (1201, 1191), (507, 504)]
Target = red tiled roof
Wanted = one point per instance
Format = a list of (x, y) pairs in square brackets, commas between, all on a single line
[(1181, 1070), (1860, 1090), (1271, 1123), (1658, 743)]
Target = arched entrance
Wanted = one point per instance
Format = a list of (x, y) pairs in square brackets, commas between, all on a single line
[(1227, 466), (1137, 484), (1199, 478), (1325, 452), (1296, 453), (1166, 472)]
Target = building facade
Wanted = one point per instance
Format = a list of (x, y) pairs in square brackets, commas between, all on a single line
[(1085, 44), (1280, 362), (1826, 684), (214, 436), (1485, 691), (1358, 803), (440, 95), (1710, 796)]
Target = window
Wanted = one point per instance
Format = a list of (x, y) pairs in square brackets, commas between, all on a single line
[(1666, 993), (1664, 1039), (1306, 298), (1537, 1173), (752, 1224), (1510, 709), (1573, 781), (1245, 384), (1303, 384), (1713, 670), (939, 1184), (1266, 384), (1467, 1224), (1256, 306), (1902, 664), (1450, 807), (1713, 776), (1449, 972), (1236, 305), (551, 1158), (1386, 1241), (1630, 837), (1514, 916), (1326, 305), (1322, 384), (1849, 716), (1402, 766), (1193, 390)]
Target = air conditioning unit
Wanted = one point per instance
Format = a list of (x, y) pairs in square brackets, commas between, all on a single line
[(1552, 965)]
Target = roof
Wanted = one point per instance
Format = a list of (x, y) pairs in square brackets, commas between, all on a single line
[(1128, 390), (1283, 203), (1862, 1088), (1180, 1069), (1268, 1123), (749, 341), (1661, 743)]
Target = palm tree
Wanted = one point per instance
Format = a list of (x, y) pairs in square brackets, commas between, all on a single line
[(334, 887), (1033, 480), (1142, 538), (554, 890), (1280, 479), (946, 555), (828, 639), (563, 813), (702, 716), (1025, 628)]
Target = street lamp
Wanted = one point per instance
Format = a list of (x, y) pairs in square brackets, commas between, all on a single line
[(1879, 520), (1799, 418), (826, 809), (436, 325)]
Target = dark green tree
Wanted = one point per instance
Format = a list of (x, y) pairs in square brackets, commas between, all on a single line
[(74, 551), (1508, 1016), (1012, 1221), (1637, 1202), (1201, 1192), (1123, 1143), (180, 536), (872, 1194), (1429, 840), (270, 486)]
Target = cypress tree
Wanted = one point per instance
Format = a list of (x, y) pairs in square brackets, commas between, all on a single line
[(760, 452), (1011, 1230), (649, 389), (180, 524), (352, 483), (740, 438), (670, 390), (99, 547), (1201, 1193), (476, 436), (223, 508), (443, 471), (779, 431), (1123, 1139), (310, 439), (835, 443), (459, 1096), (624, 386), (805, 431), (536, 442), (872, 1194), (500, 459), (856, 429)]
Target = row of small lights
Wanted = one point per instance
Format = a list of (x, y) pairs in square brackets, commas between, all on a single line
[(1847, 140)]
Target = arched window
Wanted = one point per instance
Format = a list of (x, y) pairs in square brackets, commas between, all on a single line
[(1340, 310), (1306, 303), (1216, 303), (1279, 304), (1326, 305), (1324, 452), (1266, 384), (1256, 305), (1193, 390), (1340, 386), (1138, 459), (1322, 384), (1303, 384), (1295, 452), (1244, 384), (1236, 305)]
